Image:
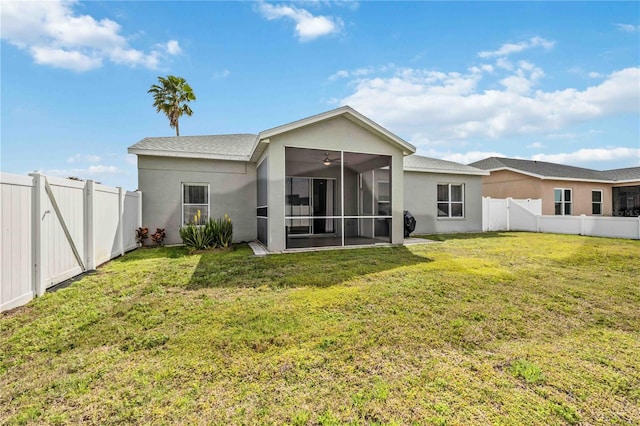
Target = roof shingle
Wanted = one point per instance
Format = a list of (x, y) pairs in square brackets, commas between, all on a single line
[(434, 165), (552, 170), (230, 147)]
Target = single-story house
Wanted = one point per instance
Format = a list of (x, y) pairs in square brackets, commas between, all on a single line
[(564, 190), (333, 179)]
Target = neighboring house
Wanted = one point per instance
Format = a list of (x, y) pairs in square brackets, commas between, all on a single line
[(333, 179), (564, 190)]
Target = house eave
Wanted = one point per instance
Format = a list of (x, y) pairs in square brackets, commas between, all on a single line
[(447, 171), (208, 156), (626, 181), (541, 177)]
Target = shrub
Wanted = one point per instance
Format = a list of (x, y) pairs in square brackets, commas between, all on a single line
[(212, 229), (225, 231), (195, 237), (159, 236), (142, 234), (214, 233)]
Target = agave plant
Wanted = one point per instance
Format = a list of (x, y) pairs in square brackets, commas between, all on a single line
[(225, 231)]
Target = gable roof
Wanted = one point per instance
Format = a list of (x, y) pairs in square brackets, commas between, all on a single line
[(352, 115), (552, 171), (238, 147), (248, 147), (418, 163)]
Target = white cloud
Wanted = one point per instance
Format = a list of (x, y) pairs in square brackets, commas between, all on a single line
[(91, 172), (510, 48), (173, 48), (360, 72), (53, 34), (536, 145), (449, 106), (628, 28), (590, 155), (308, 27), (89, 158), (504, 64), (59, 58), (221, 74)]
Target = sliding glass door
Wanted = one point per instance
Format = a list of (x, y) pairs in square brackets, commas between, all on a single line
[(310, 205)]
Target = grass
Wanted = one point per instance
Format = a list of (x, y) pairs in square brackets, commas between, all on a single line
[(499, 328)]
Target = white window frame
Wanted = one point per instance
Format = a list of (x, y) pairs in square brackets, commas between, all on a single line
[(562, 201), (601, 202), (195, 204), (376, 197), (450, 202)]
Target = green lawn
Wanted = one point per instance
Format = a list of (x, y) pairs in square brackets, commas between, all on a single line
[(498, 328)]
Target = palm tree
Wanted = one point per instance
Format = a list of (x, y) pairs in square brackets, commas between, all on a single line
[(172, 96)]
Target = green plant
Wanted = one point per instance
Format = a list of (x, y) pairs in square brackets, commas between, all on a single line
[(225, 231), (214, 233), (194, 237), (159, 236), (212, 230), (142, 234)]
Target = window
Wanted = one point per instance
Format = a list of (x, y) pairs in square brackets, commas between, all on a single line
[(384, 200), (450, 200), (195, 198), (562, 199), (596, 202)]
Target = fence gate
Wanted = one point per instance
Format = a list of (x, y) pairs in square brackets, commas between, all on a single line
[(54, 229)]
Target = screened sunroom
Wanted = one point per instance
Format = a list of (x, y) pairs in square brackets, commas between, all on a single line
[(336, 198)]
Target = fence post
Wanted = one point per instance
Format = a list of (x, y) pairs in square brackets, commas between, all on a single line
[(639, 227), (120, 221), (538, 220), (139, 209), (509, 199), (582, 216), (89, 202), (39, 249), (486, 213)]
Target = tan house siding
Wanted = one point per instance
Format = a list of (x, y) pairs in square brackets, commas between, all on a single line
[(581, 196), (505, 183)]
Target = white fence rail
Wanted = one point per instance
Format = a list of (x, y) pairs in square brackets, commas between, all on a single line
[(54, 229), (515, 215)]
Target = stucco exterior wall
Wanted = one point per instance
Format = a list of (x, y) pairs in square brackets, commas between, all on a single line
[(581, 192), (505, 183), (420, 198), (336, 134), (232, 190)]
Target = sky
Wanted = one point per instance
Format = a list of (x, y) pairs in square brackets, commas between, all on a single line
[(462, 81)]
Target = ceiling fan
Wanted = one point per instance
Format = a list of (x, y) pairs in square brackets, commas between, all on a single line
[(329, 161)]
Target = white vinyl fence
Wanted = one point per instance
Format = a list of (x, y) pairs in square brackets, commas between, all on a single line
[(54, 229), (516, 215), (494, 211)]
